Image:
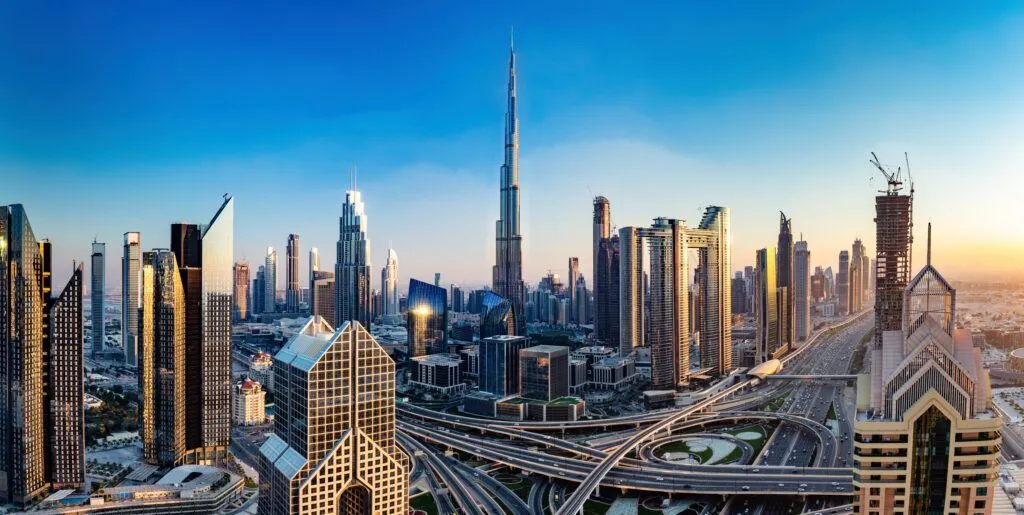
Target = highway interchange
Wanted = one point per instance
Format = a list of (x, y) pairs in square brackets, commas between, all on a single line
[(802, 458)]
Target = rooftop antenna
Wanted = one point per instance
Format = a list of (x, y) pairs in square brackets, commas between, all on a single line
[(929, 255)]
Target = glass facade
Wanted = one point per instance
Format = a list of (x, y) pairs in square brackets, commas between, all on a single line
[(929, 470), (131, 264), (427, 319), (217, 291), (499, 364), (99, 283), (544, 372), (765, 301), (499, 316), (65, 391)]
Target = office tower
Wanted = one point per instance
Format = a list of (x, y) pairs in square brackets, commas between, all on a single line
[(389, 284), (738, 294), (64, 371), (748, 282), (817, 284), (437, 279), (894, 238), (204, 258), (131, 266), (270, 281), (856, 277), (259, 291), (830, 283), (42, 341), (162, 360), (499, 318), (499, 364), (669, 292), (580, 301), (333, 448), (631, 290), (427, 325), (376, 304), (801, 290), (99, 285), (843, 284), (712, 240), (314, 262), (321, 292), (574, 273), (241, 297), (865, 270), (765, 312), (928, 441), (291, 292), (458, 299), (784, 276), (606, 271), (544, 372), (508, 267), (352, 270)]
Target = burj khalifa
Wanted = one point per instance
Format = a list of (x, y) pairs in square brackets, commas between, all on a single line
[(508, 267)]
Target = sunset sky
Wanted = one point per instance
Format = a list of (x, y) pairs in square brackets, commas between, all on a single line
[(117, 117)]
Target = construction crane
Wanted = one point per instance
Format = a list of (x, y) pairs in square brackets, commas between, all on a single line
[(893, 178)]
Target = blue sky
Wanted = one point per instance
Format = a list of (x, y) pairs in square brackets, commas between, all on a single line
[(117, 117)]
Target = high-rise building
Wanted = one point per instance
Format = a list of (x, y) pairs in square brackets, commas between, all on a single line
[(499, 318), (352, 270), (291, 292), (389, 284), (204, 262), (241, 297), (856, 277), (606, 275), (314, 262), (865, 270), (818, 285), (249, 406), (458, 301), (801, 290), (64, 392), (427, 325), (669, 290), (508, 266), (712, 239), (894, 238), (337, 454), (270, 281), (376, 304), (162, 360), (259, 291), (574, 273), (784, 276), (928, 440), (98, 286), (843, 284), (131, 268), (738, 294), (321, 302), (499, 364), (631, 290), (766, 313), (544, 372), (581, 301)]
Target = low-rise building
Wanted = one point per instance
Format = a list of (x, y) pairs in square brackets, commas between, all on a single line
[(614, 373), (577, 375), (593, 353), (437, 372), (249, 403)]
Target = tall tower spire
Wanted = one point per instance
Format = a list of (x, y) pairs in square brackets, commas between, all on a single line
[(508, 266)]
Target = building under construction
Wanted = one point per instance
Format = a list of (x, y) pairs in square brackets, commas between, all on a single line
[(893, 241)]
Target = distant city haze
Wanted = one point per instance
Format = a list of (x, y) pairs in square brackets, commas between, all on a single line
[(141, 118)]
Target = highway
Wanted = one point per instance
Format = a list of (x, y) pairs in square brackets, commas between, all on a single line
[(467, 494)]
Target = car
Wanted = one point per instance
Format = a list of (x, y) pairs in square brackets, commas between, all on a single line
[(756, 471), (835, 483), (746, 488), (659, 478), (803, 485), (782, 485)]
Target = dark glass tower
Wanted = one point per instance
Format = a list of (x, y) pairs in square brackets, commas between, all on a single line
[(64, 386), (428, 319), (784, 276), (499, 317)]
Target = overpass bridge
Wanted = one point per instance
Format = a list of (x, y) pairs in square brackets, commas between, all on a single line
[(809, 377)]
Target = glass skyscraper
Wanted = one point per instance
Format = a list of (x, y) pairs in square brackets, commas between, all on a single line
[(499, 364), (765, 306), (544, 372), (499, 316), (427, 319), (98, 285), (131, 266), (352, 270), (292, 274)]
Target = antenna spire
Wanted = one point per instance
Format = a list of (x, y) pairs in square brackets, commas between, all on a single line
[(929, 258)]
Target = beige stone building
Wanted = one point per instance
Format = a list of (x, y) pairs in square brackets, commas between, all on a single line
[(249, 403)]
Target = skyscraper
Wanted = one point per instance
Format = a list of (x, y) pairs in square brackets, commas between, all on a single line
[(458, 300), (606, 270), (292, 274), (894, 238), (41, 340), (928, 440), (498, 316), (314, 262), (131, 267), (321, 295), (241, 296), (427, 319), (631, 290), (98, 286), (162, 360), (203, 278), (574, 272), (508, 267), (581, 300), (544, 372), (765, 310), (352, 270), (738, 295), (802, 290), (784, 275), (856, 277), (336, 455), (259, 291), (270, 281), (389, 284), (843, 284), (669, 291)]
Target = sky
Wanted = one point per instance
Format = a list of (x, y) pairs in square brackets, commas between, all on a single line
[(116, 117)]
